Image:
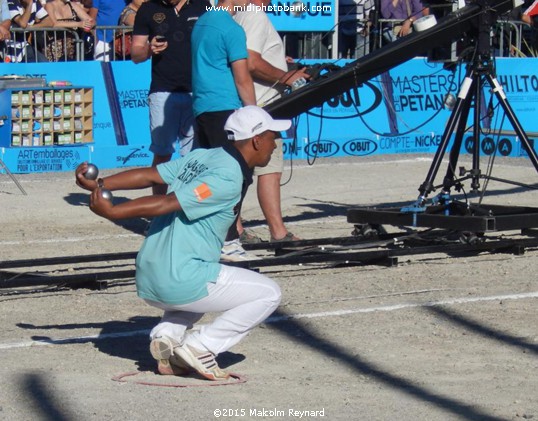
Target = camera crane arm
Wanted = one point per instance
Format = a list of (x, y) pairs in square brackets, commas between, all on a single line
[(463, 22)]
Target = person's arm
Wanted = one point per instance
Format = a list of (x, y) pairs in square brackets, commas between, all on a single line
[(243, 82), (22, 20), (93, 13), (42, 18), (418, 11), (142, 207), (127, 180), (141, 49), (46, 22), (5, 20), (406, 27), (5, 25), (87, 22), (262, 70), (51, 11), (129, 18)]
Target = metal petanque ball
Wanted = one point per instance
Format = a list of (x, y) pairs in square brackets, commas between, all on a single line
[(107, 194), (92, 172)]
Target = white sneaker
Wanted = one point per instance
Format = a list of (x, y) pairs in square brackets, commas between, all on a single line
[(162, 349), (203, 362), (233, 251)]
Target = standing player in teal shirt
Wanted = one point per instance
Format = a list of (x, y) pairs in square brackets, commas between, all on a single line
[(177, 268), (221, 81)]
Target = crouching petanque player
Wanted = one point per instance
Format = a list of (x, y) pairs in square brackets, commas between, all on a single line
[(177, 268)]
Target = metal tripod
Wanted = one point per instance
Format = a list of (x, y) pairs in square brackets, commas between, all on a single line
[(471, 93), (479, 70)]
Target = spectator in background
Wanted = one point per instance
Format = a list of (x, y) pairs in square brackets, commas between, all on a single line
[(354, 27), (30, 13), (170, 94), (221, 79), (124, 38), (221, 83), (60, 46), (529, 15), (5, 21), (406, 11), (128, 14), (105, 13), (269, 69), (88, 38)]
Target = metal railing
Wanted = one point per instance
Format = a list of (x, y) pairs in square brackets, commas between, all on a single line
[(61, 44), (117, 45), (42, 44)]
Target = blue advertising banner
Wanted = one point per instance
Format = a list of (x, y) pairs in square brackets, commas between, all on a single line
[(106, 151), (401, 111)]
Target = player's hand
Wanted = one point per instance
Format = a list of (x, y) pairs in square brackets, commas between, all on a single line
[(83, 181), (99, 205)]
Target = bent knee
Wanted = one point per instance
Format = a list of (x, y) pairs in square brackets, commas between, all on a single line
[(275, 296)]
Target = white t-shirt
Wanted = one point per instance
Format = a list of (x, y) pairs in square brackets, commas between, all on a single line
[(264, 39)]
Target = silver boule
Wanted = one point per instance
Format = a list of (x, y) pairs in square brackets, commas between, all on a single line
[(107, 194), (92, 172)]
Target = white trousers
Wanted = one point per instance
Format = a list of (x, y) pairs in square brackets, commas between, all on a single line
[(245, 299)]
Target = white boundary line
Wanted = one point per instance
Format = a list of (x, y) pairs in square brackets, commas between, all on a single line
[(466, 300)]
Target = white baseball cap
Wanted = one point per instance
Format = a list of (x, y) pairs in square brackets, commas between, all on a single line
[(251, 120)]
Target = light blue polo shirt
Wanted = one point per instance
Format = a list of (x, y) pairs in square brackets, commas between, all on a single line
[(182, 250), (217, 41)]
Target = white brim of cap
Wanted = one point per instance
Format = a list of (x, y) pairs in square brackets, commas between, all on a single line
[(280, 125)]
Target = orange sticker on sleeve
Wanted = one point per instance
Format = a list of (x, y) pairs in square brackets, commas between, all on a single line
[(202, 192)]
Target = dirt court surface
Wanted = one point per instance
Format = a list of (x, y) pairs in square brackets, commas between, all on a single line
[(436, 337)]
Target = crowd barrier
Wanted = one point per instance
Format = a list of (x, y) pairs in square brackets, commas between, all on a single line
[(508, 38), (44, 44)]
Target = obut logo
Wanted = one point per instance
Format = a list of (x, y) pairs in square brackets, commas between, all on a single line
[(322, 148), (359, 147), (351, 103)]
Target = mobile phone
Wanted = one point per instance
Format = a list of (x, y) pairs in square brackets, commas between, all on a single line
[(160, 38)]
